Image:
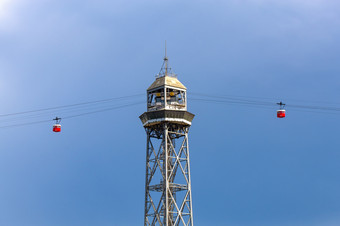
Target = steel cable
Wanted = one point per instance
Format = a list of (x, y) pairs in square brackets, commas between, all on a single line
[(90, 107)]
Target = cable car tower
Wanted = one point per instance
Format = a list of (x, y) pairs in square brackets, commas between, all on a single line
[(168, 185)]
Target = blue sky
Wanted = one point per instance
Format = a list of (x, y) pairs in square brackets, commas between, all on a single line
[(248, 167)]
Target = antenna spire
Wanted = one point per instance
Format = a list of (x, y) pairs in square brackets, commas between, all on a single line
[(166, 61), (165, 56), (165, 69)]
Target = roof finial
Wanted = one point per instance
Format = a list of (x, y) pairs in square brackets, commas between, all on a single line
[(165, 69), (165, 56), (166, 61)]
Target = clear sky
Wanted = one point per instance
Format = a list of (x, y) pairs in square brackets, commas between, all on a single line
[(248, 167)]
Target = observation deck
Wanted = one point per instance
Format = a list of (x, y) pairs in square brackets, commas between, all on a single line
[(152, 118)]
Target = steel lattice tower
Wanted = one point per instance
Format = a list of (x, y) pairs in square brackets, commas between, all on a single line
[(168, 185)]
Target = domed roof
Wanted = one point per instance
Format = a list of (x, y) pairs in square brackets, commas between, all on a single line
[(167, 81)]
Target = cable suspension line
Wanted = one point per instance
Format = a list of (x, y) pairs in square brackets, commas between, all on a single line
[(73, 116), (70, 105), (102, 105), (106, 109), (251, 98), (232, 100)]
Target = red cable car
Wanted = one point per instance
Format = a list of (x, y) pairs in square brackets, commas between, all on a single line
[(281, 113), (57, 126)]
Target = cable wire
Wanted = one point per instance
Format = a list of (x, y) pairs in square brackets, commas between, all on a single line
[(97, 106), (107, 109), (69, 105), (73, 116)]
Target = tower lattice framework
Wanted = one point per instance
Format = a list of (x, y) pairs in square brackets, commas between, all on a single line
[(168, 199)]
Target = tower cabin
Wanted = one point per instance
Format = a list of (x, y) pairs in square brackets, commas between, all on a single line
[(166, 100), (166, 93)]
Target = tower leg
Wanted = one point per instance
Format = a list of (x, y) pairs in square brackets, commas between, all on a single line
[(168, 185)]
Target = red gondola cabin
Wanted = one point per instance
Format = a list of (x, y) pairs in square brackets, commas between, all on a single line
[(281, 113), (56, 128)]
